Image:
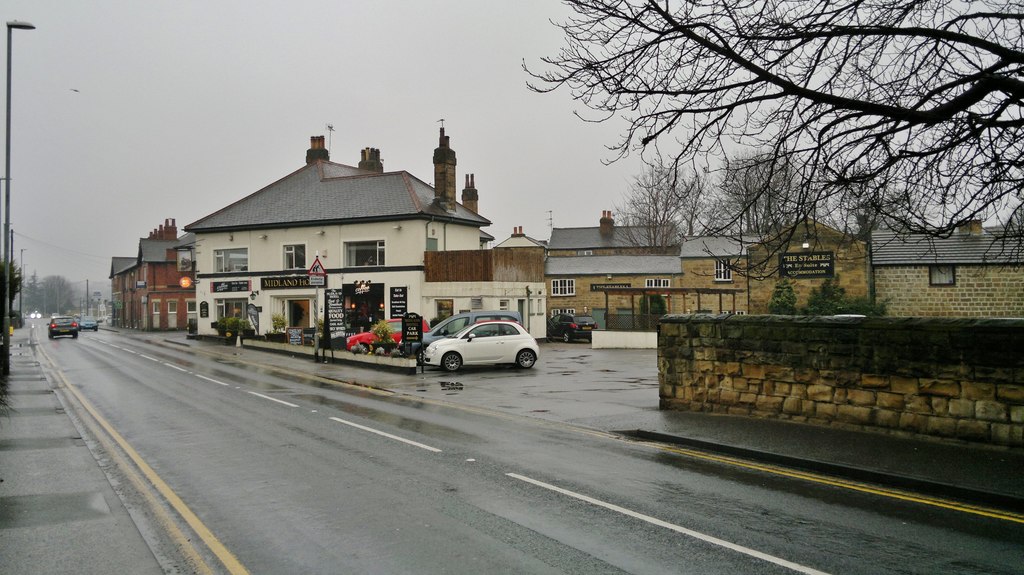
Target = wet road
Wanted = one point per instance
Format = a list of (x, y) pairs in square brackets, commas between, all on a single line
[(290, 473)]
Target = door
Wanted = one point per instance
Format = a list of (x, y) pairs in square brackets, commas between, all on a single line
[(486, 345), (172, 314)]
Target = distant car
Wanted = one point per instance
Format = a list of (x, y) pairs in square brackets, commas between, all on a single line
[(568, 327), (63, 325), (486, 343), (88, 322), (367, 337), (35, 315)]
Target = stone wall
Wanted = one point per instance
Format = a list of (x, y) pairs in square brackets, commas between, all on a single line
[(979, 291), (951, 378)]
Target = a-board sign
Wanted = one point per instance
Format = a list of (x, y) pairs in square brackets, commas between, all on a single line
[(412, 328), (295, 335)]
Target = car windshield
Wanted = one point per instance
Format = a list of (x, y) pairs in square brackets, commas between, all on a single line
[(88, 318), (583, 319)]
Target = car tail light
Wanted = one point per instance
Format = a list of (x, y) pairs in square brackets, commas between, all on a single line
[(74, 324), (53, 325), (573, 326)]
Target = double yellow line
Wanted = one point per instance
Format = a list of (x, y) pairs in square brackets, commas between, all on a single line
[(227, 559), (845, 484)]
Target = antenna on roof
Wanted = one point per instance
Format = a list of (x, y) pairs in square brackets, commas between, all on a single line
[(551, 224), (330, 132), (442, 122)]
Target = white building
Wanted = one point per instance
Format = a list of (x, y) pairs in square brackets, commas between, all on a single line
[(370, 229)]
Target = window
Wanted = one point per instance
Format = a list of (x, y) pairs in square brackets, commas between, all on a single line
[(190, 306), (230, 308), (723, 273), (156, 307), (295, 257), (476, 303), (659, 283), (563, 287), (503, 304), (364, 253), (942, 275), (231, 260), (431, 244), (568, 310), (444, 308), (172, 308)]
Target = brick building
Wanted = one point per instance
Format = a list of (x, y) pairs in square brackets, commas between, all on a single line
[(148, 290)]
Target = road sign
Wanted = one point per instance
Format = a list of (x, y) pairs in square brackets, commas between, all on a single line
[(317, 269)]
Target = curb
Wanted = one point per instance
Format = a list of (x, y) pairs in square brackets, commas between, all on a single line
[(925, 486)]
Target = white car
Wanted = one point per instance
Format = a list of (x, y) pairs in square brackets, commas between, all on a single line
[(486, 343)]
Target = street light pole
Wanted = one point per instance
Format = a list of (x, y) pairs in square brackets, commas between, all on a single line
[(11, 26), (21, 292)]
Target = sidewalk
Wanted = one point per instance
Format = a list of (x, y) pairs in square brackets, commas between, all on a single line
[(58, 511)]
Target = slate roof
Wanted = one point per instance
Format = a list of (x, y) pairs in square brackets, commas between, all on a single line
[(151, 250), (598, 265), (325, 192), (890, 248), (710, 247), (588, 238), (118, 264)]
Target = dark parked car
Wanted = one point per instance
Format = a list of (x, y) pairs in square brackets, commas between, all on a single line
[(568, 327), (63, 325)]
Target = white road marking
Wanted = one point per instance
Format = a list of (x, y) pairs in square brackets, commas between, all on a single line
[(688, 532), (213, 380), (388, 435), (144, 356), (271, 398), (171, 365)]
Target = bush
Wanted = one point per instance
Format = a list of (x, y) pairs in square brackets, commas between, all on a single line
[(830, 299), (783, 300), (278, 322), (382, 332)]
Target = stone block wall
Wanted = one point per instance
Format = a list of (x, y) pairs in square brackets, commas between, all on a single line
[(979, 291), (950, 378)]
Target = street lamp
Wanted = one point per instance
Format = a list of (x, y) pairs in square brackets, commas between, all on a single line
[(11, 26), (21, 292)]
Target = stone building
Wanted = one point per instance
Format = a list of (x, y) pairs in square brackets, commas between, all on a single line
[(969, 274)]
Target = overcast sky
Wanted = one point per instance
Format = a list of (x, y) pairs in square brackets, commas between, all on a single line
[(128, 113)]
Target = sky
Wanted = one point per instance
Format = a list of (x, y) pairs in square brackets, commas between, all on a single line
[(126, 113)]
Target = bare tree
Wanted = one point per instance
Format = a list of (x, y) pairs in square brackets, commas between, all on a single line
[(662, 204), (909, 111)]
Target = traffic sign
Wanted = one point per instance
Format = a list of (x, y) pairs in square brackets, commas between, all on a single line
[(317, 269)]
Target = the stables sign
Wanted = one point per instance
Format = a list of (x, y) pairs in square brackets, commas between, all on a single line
[(807, 265), (284, 282)]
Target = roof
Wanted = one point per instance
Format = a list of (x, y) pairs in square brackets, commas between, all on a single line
[(891, 248), (520, 242), (589, 238), (710, 247), (186, 241), (119, 264), (325, 192), (598, 265), (151, 250)]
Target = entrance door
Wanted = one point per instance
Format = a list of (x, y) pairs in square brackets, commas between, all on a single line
[(172, 314), (298, 313)]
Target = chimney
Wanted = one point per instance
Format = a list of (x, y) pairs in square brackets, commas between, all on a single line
[(370, 161), (517, 232), (469, 196), (444, 174), (170, 229), (607, 223), (316, 150), (971, 228)]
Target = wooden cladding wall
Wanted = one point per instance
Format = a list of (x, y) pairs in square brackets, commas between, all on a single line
[(499, 264)]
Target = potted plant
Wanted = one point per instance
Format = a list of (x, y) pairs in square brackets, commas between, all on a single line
[(232, 326), (383, 337), (277, 325)]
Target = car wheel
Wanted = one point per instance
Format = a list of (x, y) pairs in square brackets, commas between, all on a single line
[(566, 338), (51, 336), (526, 358), (74, 336), (451, 361)]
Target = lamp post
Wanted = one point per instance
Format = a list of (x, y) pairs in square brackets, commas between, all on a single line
[(11, 26), (21, 292)]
